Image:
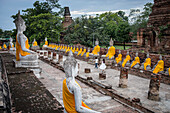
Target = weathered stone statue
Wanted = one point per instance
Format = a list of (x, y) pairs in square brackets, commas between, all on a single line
[(159, 67), (87, 54), (35, 45), (126, 61), (167, 71), (146, 65), (80, 51), (119, 59), (84, 51), (22, 45), (111, 50), (72, 95), (136, 62), (46, 42), (96, 49), (11, 45), (4, 46)]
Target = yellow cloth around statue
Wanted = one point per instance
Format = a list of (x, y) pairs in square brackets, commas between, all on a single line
[(4, 46), (68, 99), (111, 52), (0, 47), (137, 60), (79, 52), (169, 71), (83, 52), (159, 67), (119, 58), (77, 49), (35, 43), (125, 61), (68, 49), (147, 62), (19, 49), (65, 48), (74, 50), (96, 50), (87, 54)]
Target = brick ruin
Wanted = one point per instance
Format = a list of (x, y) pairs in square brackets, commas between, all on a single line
[(67, 18), (156, 37)]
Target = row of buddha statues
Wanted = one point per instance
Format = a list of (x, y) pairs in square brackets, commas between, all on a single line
[(118, 61)]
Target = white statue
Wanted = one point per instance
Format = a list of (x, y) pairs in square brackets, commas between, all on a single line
[(11, 45), (22, 45), (72, 95), (136, 62), (46, 42), (146, 65)]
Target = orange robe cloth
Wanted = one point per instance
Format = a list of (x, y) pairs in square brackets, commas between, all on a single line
[(119, 58), (83, 52), (87, 54), (96, 50), (125, 61), (147, 62), (137, 60), (159, 67), (111, 52), (79, 52), (19, 49), (68, 99)]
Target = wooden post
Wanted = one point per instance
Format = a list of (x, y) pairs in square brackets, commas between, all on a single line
[(123, 78)]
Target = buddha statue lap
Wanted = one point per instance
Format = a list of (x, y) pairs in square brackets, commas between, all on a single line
[(72, 95), (167, 71), (118, 60), (11, 45)]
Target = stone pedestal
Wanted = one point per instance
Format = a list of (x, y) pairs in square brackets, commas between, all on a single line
[(102, 76), (153, 93), (60, 58), (123, 78), (50, 55), (45, 54), (35, 47), (87, 70)]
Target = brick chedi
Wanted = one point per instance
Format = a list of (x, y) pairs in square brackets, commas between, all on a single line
[(67, 18), (156, 37)]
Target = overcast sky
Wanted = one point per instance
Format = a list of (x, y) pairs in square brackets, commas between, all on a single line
[(77, 8)]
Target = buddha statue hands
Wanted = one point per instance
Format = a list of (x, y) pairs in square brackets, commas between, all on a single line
[(118, 60), (126, 61), (146, 65), (22, 45), (72, 95)]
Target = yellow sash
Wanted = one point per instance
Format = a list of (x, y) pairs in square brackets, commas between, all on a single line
[(169, 71), (0, 47), (19, 49), (83, 52), (159, 67), (137, 60), (5, 46), (77, 49), (147, 62), (96, 50), (87, 54), (111, 52), (119, 58), (68, 49), (68, 99), (79, 52), (125, 61), (35, 43), (74, 50)]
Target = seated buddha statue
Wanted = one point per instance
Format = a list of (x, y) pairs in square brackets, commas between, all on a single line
[(136, 62), (0, 47), (68, 49), (159, 67), (74, 49), (46, 42), (11, 45), (80, 51), (126, 61), (96, 49), (34, 43), (4, 46), (77, 50), (84, 51), (146, 65), (71, 90), (111, 50), (119, 59), (22, 46), (167, 71), (87, 54)]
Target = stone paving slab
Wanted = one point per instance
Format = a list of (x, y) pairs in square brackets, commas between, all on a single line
[(137, 87), (53, 82)]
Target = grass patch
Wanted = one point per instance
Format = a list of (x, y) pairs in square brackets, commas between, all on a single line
[(122, 47)]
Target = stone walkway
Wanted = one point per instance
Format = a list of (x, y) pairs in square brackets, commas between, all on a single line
[(137, 87), (53, 82)]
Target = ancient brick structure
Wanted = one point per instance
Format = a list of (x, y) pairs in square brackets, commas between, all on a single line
[(156, 37), (67, 18)]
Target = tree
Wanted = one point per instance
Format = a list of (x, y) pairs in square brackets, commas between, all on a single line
[(122, 33), (42, 21)]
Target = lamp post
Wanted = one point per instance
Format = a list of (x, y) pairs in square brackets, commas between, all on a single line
[(93, 31)]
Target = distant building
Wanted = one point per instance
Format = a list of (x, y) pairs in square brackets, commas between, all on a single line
[(156, 37), (67, 18)]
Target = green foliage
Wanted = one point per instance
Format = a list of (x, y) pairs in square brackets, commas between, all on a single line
[(42, 21)]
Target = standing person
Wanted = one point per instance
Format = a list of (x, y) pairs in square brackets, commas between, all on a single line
[(103, 66), (96, 62)]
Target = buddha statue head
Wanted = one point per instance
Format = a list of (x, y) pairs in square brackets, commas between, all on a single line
[(111, 42), (70, 66), (119, 51), (127, 52), (160, 57), (96, 42), (20, 23), (88, 49), (10, 39), (45, 38), (147, 55), (136, 54)]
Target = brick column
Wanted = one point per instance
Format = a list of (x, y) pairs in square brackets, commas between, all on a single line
[(123, 78)]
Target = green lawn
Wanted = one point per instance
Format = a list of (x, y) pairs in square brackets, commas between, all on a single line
[(118, 47)]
